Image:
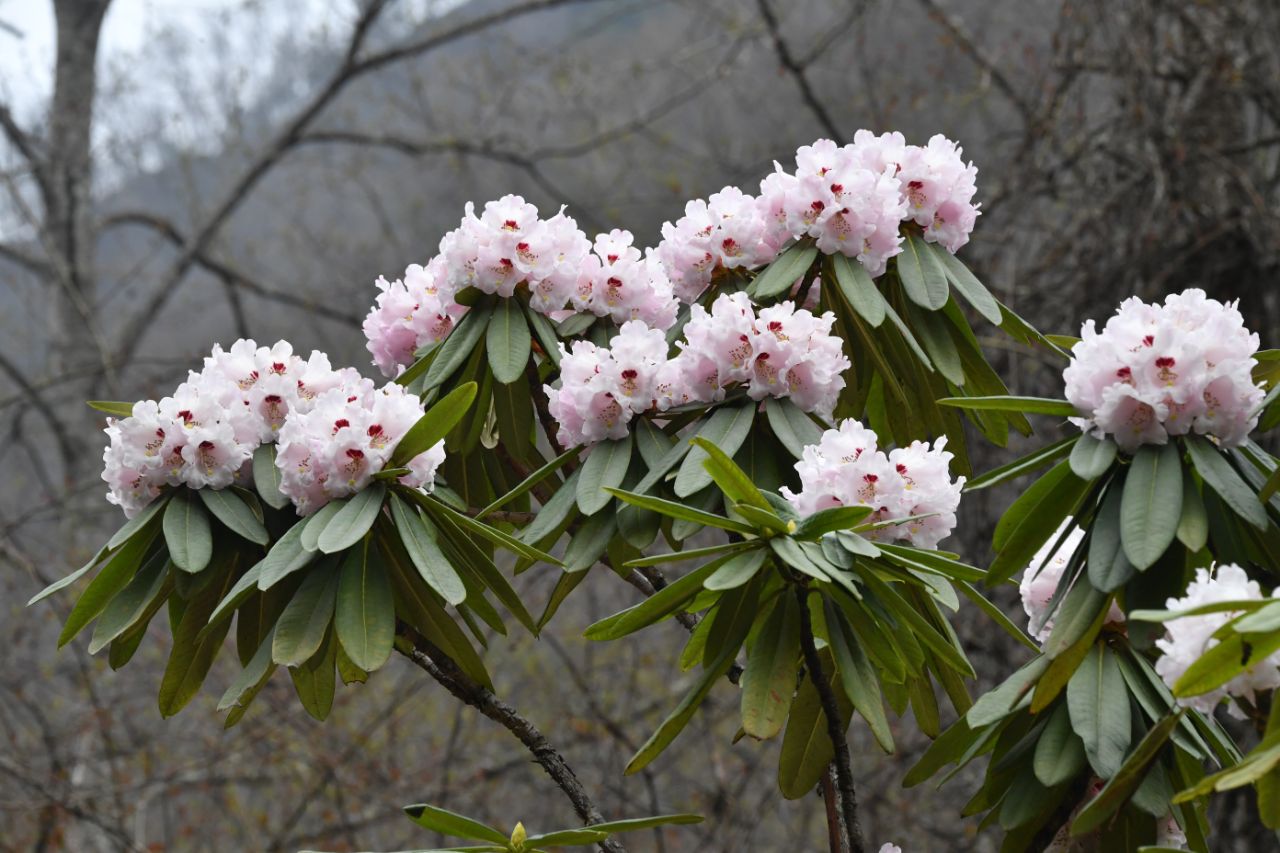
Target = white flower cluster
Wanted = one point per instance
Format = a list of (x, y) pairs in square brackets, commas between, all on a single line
[(852, 199), (1188, 638), (616, 281), (203, 433), (348, 435), (1161, 370), (507, 245), (781, 352), (410, 313), (846, 468), (1041, 578)]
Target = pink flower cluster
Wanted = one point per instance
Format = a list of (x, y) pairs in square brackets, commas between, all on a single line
[(509, 244), (202, 435), (602, 389), (410, 313), (846, 468), (729, 230), (1188, 638), (781, 351), (853, 198), (1041, 578), (1161, 370), (616, 281), (348, 435)]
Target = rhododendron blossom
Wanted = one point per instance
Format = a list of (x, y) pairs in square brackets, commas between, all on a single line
[(1041, 578), (349, 434), (616, 281), (1161, 370), (204, 433), (410, 313), (508, 244), (602, 389), (846, 468), (781, 352), (1188, 638), (729, 230)]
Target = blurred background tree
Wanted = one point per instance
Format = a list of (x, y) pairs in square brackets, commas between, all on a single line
[(250, 169)]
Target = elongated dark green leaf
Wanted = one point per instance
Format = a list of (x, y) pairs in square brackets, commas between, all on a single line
[(1109, 569), (1193, 525), (605, 468), (999, 702), (118, 409), (349, 525), (457, 348), (545, 333), (923, 277), (1091, 457), (1032, 519), (230, 509), (193, 648), (830, 520), (770, 678), (1218, 475), (416, 606), (1059, 754), (632, 824), (132, 602), (114, 575), (508, 342), (484, 531), (365, 615), (1026, 405), (791, 425), (266, 477), (682, 512), (555, 513), (1151, 505), (251, 678), (967, 284), (590, 541), (285, 557), (692, 554), (727, 428), (1126, 781), (431, 563), (527, 484), (783, 272), (564, 837), (858, 676), (187, 533), (305, 620), (858, 289), (658, 606), (806, 747), (139, 521), (434, 425), (450, 823), (1031, 462), (315, 679), (731, 479), (1019, 329), (931, 327), (737, 570), (1099, 706)]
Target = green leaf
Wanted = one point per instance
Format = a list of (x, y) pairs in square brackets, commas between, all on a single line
[(590, 541), (1109, 569), (656, 607), (770, 677), (1126, 781), (783, 272), (923, 277), (566, 837), (932, 329), (1151, 505), (999, 702), (187, 533), (632, 824), (727, 428), (136, 524), (230, 509), (737, 570), (114, 576), (457, 348), (452, 823), (1059, 754), (314, 525), (246, 586), (132, 602), (545, 333), (605, 468), (1020, 330), (432, 565), (112, 407), (791, 425), (349, 525), (251, 678), (692, 554), (1026, 405), (1193, 525), (365, 617), (315, 679), (266, 477), (858, 676), (1213, 467), (193, 648), (302, 626), (1098, 702), (806, 747), (484, 531), (555, 512), (731, 479), (434, 425), (1091, 457), (968, 285), (1017, 468), (526, 485), (830, 520), (682, 512), (508, 341), (416, 606), (285, 557), (858, 289)]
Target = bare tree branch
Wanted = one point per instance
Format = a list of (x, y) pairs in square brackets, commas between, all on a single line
[(957, 31), (797, 70)]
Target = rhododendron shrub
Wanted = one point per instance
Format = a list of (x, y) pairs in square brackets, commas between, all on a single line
[(761, 417)]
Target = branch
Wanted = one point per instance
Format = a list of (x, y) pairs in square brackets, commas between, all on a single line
[(797, 70), (28, 262), (25, 146), (439, 667), (958, 32), (844, 770), (65, 446)]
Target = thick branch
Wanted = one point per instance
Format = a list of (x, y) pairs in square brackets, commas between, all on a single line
[(797, 70), (844, 768), (443, 670)]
